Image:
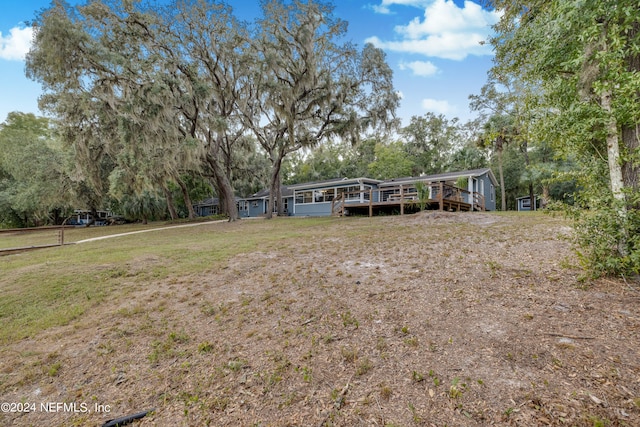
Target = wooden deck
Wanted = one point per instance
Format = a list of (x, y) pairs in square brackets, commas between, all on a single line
[(400, 200)]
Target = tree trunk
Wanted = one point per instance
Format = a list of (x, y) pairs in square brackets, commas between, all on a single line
[(613, 148), (615, 168), (186, 197), (631, 133), (545, 196), (279, 204), (275, 195), (631, 168), (170, 203), (224, 189), (94, 215), (532, 197), (273, 192), (502, 190)]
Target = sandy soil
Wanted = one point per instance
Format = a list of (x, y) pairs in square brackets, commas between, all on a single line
[(430, 319)]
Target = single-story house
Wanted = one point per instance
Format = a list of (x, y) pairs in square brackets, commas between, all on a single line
[(207, 207), (345, 196), (84, 217), (258, 203)]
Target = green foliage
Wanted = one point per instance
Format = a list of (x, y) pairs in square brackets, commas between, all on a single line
[(462, 182), (423, 194), (327, 161), (144, 207), (599, 233), (429, 142), (391, 161), (34, 180), (577, 62), (468, 157)]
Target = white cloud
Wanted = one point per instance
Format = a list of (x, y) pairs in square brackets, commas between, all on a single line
[(446, 30), (16, 45), (438, 106), (383, 7), (420, 68), (400, 94)]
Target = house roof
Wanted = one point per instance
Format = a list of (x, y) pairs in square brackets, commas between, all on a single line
[(333, 182), (212, 201), (448, 176), (285, 190)]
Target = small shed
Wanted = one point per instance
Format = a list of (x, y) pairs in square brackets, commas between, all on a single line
[(524, 203)]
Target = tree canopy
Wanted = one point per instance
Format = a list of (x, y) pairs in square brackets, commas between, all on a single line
[(147, 95), (582, 59)]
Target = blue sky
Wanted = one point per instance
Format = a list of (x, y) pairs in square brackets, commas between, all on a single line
[(433, 47)]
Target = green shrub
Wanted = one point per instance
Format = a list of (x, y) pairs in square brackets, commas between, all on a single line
[(607, 240)]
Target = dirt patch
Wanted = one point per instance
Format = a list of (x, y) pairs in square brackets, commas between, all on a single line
[(427, 319)]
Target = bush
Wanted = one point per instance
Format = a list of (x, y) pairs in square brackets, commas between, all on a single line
[(608, 240)]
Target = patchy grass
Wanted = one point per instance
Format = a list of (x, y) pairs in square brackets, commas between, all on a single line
[(51, 287), (434, 318)]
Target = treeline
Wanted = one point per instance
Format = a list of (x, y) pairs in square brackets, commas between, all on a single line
[(149, 94), (152, 104), (567, 74), (41, 181), (432, 144)]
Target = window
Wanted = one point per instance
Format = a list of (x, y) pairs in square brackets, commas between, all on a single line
[(353, 192), (315, 196), (493, 193), (304, 197), (326, 195)]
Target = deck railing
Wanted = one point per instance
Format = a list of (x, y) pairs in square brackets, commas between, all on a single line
[(445, 195)]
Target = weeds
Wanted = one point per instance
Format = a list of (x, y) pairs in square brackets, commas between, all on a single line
[(349, 354), (205, 347), (349, 320), (385, 392), (417, 377), (236, 364), (306, 373), (414, 414), (54, 369), (364, 366), (456, 389), (411, 342)]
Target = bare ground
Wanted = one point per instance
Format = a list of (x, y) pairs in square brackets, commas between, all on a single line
[(431, 319)]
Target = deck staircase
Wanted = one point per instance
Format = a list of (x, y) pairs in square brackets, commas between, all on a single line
[(337, 205)]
